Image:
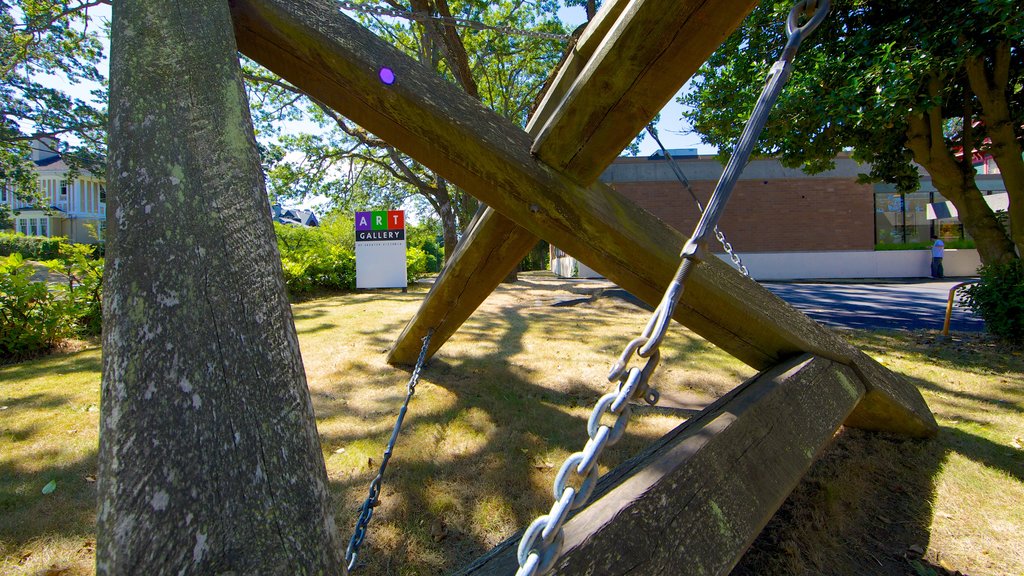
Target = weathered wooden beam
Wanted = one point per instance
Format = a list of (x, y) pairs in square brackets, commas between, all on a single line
[(471, 276), (696, 499), (579, 54), (311, 44), (460, 288), (640, 64)]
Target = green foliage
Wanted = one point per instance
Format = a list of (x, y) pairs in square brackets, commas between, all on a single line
[(537, 259), (354, 169), (966, 244), (415, 263), (32, 318), (30, 247), (999, 299), (83, 292), (323, 258), (425, 236), (875, 79), (314, 259)]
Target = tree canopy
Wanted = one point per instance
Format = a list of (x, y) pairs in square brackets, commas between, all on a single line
[(894, 82), (321, 153), (42, 39)]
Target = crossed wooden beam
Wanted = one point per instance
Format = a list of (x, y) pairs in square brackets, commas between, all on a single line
[(542, 182)]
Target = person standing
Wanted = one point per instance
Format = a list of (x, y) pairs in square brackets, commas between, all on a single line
[(937, 248)]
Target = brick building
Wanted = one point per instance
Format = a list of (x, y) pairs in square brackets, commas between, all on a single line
[(772, 208), (789, 225)]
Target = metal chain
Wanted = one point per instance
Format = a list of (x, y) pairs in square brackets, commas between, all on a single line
[(542, 542), (448, 21), (374, 498), (719, 235)]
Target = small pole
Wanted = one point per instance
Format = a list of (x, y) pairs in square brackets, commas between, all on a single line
[(949, 304)]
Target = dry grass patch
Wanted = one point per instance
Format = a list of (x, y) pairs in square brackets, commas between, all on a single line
[(506, 400)]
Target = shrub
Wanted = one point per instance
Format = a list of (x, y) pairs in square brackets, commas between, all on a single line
[(999, 299), (32, 318), (30, 247), (415, 263), (83, 292)]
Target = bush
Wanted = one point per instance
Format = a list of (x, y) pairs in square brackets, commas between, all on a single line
[(315, 259), (83, 291), (32, 318), (415, 263), (999, 299), (323, 258), (30, 247)]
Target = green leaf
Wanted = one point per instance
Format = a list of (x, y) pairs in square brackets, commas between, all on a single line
[(50, 487)]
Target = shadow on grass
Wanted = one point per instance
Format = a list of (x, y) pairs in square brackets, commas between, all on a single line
[(865, 506), (504, 474)]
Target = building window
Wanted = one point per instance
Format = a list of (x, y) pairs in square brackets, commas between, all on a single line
[(43, 225), (3, 194), (23, 225), (103, 194), (33, 227), (64, 190)]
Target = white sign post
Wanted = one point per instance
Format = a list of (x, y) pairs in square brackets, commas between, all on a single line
[(380, 249)]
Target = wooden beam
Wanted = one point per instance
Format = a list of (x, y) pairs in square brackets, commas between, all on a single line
[(651, 50), (592, 36), (472, 275), (311, 44), (474, 271), (697, 498)]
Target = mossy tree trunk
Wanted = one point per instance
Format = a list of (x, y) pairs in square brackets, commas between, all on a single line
[(209, 458)]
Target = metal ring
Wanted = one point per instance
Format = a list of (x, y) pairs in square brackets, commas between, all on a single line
[(559, 512), (599, 409), (793, 22), (526, 545), (620, 365), (626, 390), (585, 489), (592, 451)]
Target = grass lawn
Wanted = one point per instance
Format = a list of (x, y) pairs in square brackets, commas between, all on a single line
[(506, 400)]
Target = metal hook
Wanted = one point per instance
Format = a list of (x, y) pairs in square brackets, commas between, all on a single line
[(820, 9)]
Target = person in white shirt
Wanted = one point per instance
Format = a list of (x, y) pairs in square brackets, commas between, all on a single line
[(937, 247)]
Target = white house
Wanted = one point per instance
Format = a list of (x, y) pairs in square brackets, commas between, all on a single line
[(73, 204)]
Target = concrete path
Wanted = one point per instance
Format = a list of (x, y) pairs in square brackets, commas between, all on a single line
[(911, 305)]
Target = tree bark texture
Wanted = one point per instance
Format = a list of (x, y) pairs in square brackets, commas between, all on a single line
[(925, 139), (991, 83), (209, 458)]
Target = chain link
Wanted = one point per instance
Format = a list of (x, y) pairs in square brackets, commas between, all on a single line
[(366, 512), (449, 21), (542, 542)]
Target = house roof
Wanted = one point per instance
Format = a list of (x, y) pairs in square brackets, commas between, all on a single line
[(294, 216)]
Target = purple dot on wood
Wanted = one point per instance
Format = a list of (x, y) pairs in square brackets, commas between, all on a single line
[(387, 76)]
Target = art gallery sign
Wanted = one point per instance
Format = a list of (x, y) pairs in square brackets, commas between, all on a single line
[(380, 249)]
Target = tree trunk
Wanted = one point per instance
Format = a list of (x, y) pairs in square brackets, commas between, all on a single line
[(952, 180), (209, 457), (991, 85), (449, 225)]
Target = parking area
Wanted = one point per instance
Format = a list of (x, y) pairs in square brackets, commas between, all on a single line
[(912, 305)]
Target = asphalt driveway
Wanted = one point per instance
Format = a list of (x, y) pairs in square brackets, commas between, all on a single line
[(911, 305)]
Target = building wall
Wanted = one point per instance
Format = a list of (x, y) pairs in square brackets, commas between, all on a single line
[(772, 209)]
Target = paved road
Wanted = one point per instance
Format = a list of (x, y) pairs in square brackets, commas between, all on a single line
[(902, 306)]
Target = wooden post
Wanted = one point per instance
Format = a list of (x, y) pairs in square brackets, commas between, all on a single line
[(473, 274), (697, 498), (311, 44)]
